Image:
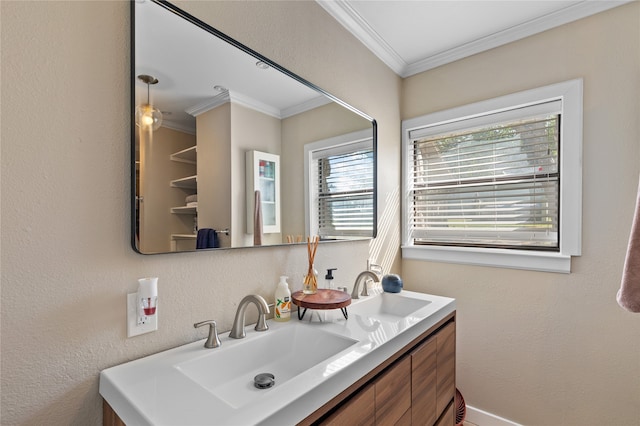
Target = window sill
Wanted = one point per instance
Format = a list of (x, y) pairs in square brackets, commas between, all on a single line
[(513, 259)]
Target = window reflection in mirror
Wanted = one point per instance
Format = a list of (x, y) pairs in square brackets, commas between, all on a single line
[(339, 194), (219, 102)]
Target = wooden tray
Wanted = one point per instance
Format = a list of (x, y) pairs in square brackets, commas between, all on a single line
[(323, 299)]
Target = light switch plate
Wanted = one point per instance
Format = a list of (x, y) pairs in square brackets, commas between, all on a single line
[(133, 328)]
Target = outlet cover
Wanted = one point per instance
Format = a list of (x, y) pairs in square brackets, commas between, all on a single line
[(149, 324)]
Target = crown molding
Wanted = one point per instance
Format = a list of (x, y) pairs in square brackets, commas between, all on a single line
[(518, 32), (235, 97), (246, 101), (253, 104), (347, 16), (354, 23), (208, 104), (179, 127), (305, 106)]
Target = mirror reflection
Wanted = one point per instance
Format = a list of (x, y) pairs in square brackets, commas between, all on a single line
[(231, 150)]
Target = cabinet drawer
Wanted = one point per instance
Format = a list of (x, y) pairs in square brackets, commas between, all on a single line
[(358, 411), (423, 383), (446, 366), (393, 393), (448, 418)]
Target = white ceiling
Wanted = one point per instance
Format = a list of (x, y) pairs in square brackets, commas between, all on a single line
[(190, 62), (414, 36)]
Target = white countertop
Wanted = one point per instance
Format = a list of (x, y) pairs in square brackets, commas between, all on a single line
[(153, 390)]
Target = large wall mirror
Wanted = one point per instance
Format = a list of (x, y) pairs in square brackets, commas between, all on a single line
[(231, 150)]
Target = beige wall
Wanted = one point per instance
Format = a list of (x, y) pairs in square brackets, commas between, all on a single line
[(320, 123), (213, 131), (250, 130), (225, 134), (66, 260), (533, 347), (541, 348)]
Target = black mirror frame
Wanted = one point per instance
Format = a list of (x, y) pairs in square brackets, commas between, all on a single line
[(192, 19)]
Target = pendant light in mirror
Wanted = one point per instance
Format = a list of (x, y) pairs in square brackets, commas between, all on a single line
[(146, 115)]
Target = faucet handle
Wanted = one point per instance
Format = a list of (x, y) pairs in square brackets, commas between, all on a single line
[(212, 341), (375, 268)]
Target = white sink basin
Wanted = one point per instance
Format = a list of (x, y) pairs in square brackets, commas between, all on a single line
[(388, 307), (312, 363), (228, 373)]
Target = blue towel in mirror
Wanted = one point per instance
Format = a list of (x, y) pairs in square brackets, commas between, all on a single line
[(207, 238)]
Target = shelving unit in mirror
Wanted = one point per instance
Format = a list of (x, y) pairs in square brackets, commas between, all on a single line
[(188, 212), (187, 155)]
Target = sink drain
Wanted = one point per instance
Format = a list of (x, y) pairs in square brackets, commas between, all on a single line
[(264, 380)]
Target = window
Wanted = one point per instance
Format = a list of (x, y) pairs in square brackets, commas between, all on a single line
[(340, 194), (498, 182)]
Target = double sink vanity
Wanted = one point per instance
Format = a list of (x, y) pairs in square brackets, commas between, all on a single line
[(391, 362)]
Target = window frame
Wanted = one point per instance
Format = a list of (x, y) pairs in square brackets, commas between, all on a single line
[(356, 139), (570, 94)]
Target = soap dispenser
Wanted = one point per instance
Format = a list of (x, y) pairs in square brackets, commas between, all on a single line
[(283, 301), (329, 278)]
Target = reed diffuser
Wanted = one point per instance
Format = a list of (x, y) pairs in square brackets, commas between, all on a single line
[(310, 285)]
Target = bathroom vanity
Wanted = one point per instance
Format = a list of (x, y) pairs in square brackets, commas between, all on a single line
[(416, 386), (391, 362)]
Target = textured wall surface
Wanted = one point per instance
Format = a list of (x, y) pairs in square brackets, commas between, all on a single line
[(66, 260), (540, 348)]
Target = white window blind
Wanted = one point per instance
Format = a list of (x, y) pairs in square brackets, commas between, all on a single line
[(343, 188), (488, 181)]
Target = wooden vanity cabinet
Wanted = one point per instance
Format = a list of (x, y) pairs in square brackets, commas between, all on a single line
[(416, 387), (109, 417), (423, 383), (433, 376), (448, 418), (446, 367), (393, 392), (386, 401), (360, 410)]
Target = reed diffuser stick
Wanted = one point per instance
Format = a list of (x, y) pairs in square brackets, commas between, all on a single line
[(310, 280)]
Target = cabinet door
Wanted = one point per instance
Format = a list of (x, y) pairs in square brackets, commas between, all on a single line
[(358, 411), (263, 174), (405, 420), (393, 393), (446, 366), (423, 383), (448, 418)]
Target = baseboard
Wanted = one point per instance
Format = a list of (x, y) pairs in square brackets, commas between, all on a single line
[(482, 418)]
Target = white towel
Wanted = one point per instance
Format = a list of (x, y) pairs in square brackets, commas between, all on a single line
[(629, 294)]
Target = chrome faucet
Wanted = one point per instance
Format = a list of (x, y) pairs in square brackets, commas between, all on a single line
[(237, 330), (369, 274), (212, 341)]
